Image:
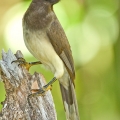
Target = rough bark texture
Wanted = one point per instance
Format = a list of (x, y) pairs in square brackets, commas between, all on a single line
[(18, 83)]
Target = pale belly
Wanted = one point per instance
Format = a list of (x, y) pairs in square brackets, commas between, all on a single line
[(41, 48)]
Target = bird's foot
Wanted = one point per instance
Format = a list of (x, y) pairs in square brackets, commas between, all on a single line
[(38, 92), (41, 91), (22, 62)]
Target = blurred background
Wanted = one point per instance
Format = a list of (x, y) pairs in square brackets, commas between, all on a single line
[(92, 27)]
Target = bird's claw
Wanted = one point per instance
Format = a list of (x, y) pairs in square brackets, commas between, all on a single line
[(26, 65), (38, 92), (22, 62), (41, 92)]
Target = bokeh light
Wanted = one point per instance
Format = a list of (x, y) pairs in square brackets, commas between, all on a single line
[(13, 32)]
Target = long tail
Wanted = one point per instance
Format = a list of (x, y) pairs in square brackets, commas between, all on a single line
[(70, 102)]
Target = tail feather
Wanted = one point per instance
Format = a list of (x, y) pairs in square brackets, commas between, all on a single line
[(69, 101)]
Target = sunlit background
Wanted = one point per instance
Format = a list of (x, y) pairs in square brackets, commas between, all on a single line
[(92, 28)]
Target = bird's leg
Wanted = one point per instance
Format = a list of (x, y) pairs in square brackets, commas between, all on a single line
[(41, 91), (45, 88), (23, 63)]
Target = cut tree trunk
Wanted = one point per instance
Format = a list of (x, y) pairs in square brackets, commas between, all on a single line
[(18, 83)]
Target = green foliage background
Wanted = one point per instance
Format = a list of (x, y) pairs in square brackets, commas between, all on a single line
[(92, 28)]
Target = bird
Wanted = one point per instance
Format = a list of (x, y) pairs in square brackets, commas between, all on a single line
[(46, 40)]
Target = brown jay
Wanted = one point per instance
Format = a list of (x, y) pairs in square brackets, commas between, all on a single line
[(46, 40)]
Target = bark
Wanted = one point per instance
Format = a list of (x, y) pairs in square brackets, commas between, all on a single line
[(18, 83)]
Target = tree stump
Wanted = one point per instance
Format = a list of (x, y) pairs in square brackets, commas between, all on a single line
[(18, 83)]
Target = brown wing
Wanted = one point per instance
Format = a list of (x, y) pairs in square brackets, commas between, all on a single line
[(61, 45)]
